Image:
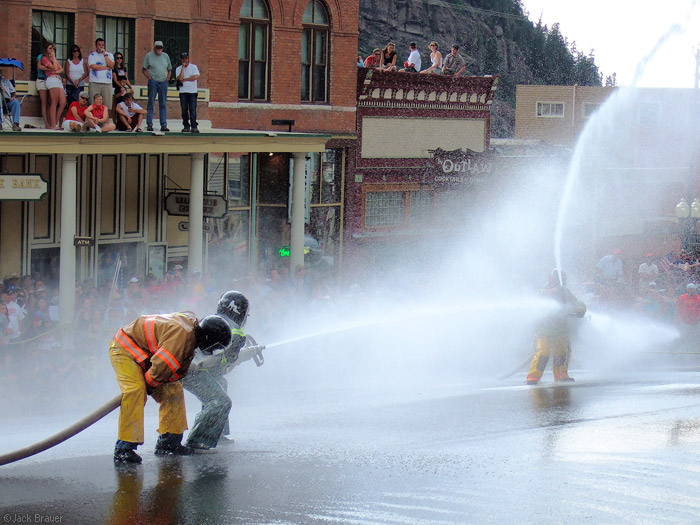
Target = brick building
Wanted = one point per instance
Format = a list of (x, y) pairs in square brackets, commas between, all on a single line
[(421, 155), (634, 151), (259, 61)]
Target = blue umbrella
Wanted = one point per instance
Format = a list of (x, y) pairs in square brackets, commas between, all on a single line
[(11, 62)]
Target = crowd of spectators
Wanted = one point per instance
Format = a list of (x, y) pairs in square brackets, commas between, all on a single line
[(108, 103), (655, 289), (452, 64)]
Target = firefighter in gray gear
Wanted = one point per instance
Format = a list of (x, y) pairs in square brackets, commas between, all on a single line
[(206, 376)]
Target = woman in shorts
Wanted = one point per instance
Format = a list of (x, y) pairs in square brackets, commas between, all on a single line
[(54, 83), (41, 88)]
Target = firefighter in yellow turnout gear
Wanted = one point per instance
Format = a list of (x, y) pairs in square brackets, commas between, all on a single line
[(552, 333), (150, 356)]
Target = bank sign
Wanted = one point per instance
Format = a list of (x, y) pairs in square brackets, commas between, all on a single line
[(456, 168), (22, 187), (178, 203)]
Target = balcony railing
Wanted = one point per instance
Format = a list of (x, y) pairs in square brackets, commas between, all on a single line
[(404, 90)]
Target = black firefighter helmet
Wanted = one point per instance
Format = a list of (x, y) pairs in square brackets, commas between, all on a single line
[(213, 332), (557, 277), (234, 307)]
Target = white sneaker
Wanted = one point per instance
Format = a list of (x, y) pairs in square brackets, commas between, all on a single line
[(226, 440)]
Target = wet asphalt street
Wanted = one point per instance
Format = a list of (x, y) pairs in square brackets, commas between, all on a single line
[(604, 450)]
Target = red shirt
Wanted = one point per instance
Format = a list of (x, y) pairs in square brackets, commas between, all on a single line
[(688, 308), (98, 113), (372, 61), (79, 109)]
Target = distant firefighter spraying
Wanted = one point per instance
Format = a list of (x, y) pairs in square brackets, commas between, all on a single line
[(552, 333)]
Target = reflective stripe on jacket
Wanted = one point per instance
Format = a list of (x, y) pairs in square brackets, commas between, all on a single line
[(162, 344)]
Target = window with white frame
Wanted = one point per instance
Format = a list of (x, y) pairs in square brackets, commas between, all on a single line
[(253, 51), (50, 26), (314, 53), (550, 109)]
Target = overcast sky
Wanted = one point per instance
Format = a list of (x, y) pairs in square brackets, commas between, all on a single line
[(623, 32)]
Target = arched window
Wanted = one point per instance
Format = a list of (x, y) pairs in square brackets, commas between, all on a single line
[(314, 53), (254, 51)]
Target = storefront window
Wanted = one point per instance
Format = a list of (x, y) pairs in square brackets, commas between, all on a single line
[(229, 245), (323, 238), (384, 209), (238, 180), (273, 237), (273, 182), (398, 206), (325, 176)]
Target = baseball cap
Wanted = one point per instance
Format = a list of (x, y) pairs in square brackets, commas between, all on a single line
[(134, 280), (158, 43), (691, 286), (177, 267), (84, 95), (184, 54), (11, 288), (456, 46)]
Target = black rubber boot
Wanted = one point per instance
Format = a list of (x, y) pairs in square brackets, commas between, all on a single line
[(171, 445), (126, 456)]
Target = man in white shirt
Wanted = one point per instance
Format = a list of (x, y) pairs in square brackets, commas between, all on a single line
[(15, 313), (187, 75), (413, 62), (101, 63), (648, 273), (129, 114)]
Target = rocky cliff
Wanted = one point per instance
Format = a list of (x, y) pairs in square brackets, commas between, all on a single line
[(509, 45)]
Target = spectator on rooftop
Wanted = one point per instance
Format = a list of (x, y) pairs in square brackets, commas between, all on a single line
[(42, 90), (57, 96), (75, 119), (120, 74), (374, 60), (7, 92), (388, 58), (129, 115), (187, 74), (97, 117), (453, 64), (157, 68), (101, 63), (77, 71), (413, 62), (435, 59)]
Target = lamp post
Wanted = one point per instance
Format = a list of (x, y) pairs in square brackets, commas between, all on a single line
[(689, 215)]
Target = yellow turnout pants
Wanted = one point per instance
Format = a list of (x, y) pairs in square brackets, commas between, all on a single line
[(170, 396), (546, 345)]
